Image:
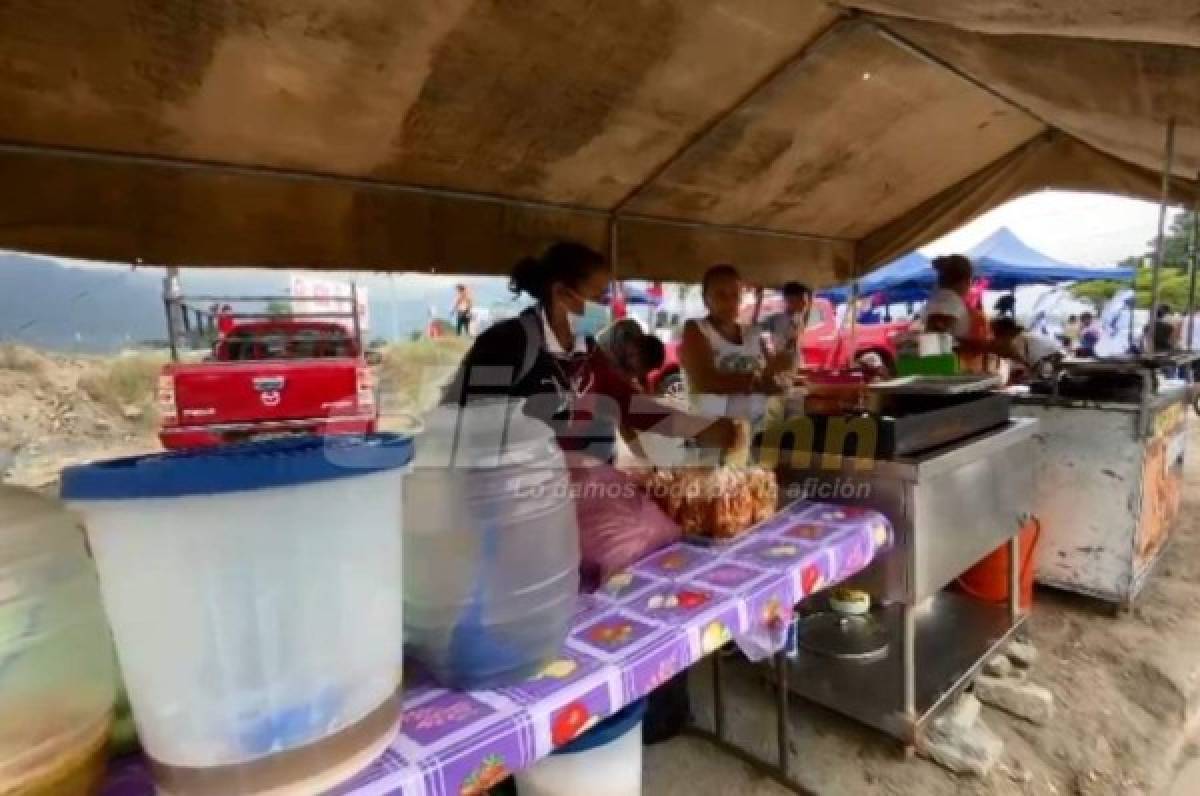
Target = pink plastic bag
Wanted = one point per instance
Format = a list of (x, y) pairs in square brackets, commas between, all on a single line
[(618, 524)]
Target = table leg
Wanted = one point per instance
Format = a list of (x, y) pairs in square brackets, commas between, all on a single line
[(781, 710), (909, 633), (718, 697)]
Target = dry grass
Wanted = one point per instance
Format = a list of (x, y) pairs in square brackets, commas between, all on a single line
[(412, 374), (129, 381), (20, 359)]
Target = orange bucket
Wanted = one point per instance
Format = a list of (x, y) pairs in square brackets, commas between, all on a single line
[(988, 580)]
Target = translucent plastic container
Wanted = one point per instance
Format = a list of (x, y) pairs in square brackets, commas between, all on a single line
[(57, 670), (492, 547), (254, 594), (604, 761)]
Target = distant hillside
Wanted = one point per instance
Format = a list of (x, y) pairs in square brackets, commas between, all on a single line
[(51, 304)]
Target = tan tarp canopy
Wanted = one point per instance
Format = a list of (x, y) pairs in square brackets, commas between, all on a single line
[(793, 137)]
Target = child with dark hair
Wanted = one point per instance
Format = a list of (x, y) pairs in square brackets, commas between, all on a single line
[(786, 328)]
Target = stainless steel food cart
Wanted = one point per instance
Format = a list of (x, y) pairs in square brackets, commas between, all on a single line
[(951, 506), (1109, 477)]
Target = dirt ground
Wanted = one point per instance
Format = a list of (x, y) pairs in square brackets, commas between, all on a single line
[(1127, 692)]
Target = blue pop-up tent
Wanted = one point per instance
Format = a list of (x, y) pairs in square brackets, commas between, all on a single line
[(1007, 262), (909, 278), (1003, 259)]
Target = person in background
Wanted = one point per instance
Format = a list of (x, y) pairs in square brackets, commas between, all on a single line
[(618, 303), (225, 320), (1029, 351), (728, 373), (786, 329), (462, 310), (1089, 334), (1070, 332), (949, 311), (1163, 332), (1006, 306)]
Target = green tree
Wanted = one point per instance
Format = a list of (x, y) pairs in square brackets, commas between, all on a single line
[(278, 307), (1173, 282)]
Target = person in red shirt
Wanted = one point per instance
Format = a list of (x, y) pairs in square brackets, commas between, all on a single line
[(225, 320)]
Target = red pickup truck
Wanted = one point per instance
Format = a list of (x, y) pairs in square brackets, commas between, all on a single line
[(824, 343), (272, 377)]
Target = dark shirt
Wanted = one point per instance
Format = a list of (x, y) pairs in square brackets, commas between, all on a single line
[(582, 396)]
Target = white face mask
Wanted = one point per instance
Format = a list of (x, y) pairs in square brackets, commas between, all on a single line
[(590, 322)]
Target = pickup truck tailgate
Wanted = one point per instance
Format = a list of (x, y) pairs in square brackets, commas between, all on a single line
[(262, 391)]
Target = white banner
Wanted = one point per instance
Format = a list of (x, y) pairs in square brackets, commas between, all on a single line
[(332, 297)]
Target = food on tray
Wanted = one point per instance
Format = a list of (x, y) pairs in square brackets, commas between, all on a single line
[(720, 503)]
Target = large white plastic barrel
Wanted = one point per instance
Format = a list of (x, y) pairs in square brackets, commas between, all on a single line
[(492, 546), (605, 761), (254, 595), (57, 670)]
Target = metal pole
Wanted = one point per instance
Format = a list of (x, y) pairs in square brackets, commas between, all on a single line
[(781, 709), (1193, 262), (1160, 244), (357, 321), (613, 253), (718, 697), (910, 668), (171, 296)]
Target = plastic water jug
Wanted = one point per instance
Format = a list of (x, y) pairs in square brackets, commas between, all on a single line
[(57, 670), (254, 595), (491, 546)]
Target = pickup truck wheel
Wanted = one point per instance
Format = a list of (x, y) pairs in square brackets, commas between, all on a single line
[(673, 389)]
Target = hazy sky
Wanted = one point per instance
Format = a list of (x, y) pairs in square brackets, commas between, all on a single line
[(1079, 228)]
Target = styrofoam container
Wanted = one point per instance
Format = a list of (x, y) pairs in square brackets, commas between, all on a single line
[(254, 593), (604, 761)]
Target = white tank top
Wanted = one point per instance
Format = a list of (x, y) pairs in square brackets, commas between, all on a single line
[(729, 357)]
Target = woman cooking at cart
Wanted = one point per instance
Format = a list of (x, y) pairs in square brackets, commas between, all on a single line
[(547, 356), (728, 373), (948, 311)]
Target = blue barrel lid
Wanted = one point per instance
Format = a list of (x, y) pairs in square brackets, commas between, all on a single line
[(606, 731), (237, 468)]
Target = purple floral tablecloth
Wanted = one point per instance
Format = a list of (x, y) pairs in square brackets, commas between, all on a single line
[(642, 628)]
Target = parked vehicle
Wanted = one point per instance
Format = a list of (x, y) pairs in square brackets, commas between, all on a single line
[(826, 343), (271, 376)]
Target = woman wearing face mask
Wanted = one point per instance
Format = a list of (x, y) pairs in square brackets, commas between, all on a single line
[(547, 356), (728, 373)]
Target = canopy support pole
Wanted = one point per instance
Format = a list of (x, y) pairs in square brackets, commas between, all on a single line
[(1193, 262), (1160, 243)]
